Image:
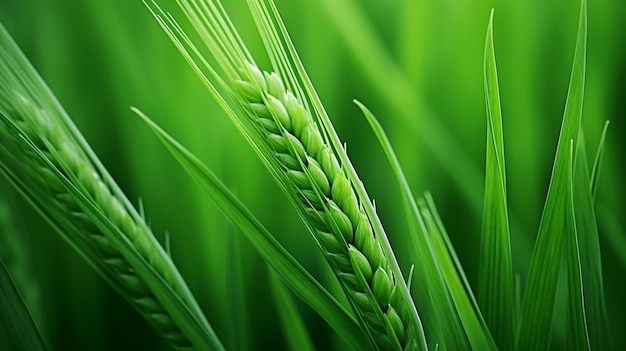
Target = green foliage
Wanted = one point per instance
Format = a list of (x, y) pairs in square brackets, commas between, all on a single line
[(268, 247), (282, 117), (587, 243), (597, 163), (464, 327), (418, 65), (555, 226), (14, 247), (47, 160), (291, 319), (17, 328), (495, 286), (443, 324)]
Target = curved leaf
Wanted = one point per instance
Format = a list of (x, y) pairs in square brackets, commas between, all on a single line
[(495, 285), (538, 301), (457, 319), (293, 325), (17, 328), (292, 273)]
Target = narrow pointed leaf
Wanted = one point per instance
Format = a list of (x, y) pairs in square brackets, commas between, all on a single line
[(236, 292), (475, 327), (392, 85), (432, 292), (588, 245), (293, 274), (538, 301), (17, 328), (495, 285), (578, 333), (293, 325), (597, 163)]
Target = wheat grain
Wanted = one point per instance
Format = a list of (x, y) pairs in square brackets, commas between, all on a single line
[(322, 188), (45, 157)]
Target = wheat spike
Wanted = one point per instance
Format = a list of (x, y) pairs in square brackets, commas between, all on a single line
[(275, 116), (341, 226), (45, 157)]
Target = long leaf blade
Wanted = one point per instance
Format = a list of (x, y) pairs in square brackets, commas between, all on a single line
[(588, 243), (17, 328), (469, 313), (292, 323), (443, 325), (597, 163), (495, 285), (538, 300), (349, 16), (235, 284), (457, 320), (578, 326), (292, 273)]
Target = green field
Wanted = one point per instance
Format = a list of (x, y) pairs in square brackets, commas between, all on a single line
[(419, 67)]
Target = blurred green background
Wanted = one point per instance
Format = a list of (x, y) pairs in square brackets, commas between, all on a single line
[(416, 63)]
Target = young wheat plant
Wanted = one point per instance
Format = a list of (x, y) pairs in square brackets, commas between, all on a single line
[(48, 161), (279, 113)]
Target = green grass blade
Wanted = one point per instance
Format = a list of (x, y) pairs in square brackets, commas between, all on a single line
[(538, 301), (597, 163), (235, 286), (475, 327), (431, 293), (14, 250), (590, 256), (495, 285), (392, 85), (294, 275), (293, 325), (578, 332), (17, 328)]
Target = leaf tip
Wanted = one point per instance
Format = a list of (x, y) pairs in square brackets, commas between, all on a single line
[(140, 114)]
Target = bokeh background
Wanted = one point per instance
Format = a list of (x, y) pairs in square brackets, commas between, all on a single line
[(416, 64)]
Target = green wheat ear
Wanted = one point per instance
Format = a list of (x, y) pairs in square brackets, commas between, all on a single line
[(281, 116), (341, 226), (48, 161)]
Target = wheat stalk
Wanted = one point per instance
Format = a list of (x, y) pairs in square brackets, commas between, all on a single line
[(45, 157), (304, 158)]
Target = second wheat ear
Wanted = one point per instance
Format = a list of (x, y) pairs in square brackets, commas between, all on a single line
[(46, 158)]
